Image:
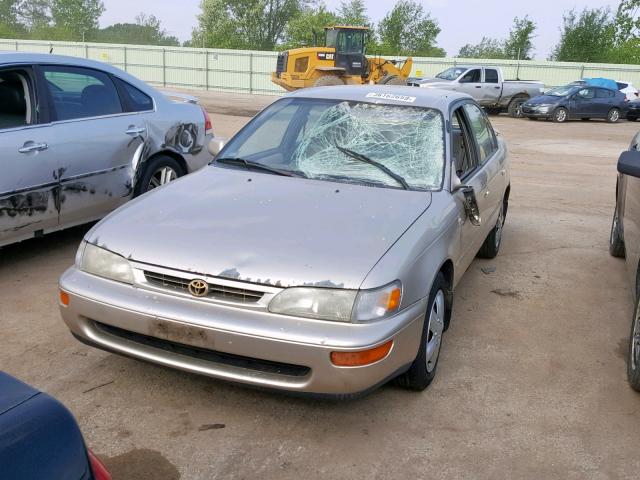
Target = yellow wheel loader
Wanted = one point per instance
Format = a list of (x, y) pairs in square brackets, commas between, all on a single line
[(341, 61)]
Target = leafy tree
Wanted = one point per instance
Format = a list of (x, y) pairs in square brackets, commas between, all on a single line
[(76, 16), (353, 12), (627, 20), (146, 31), (408, 30), (519, 45), (487, 48), (300, 29), (586, 37), (250, 24), (35, 13)]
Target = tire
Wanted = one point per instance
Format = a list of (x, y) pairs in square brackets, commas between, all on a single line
[(491, 245), (158, 171), (328, 81), (613, 116), (392, 80), (560, 115), (515, 107), (423, 369), (616, 243), (633, 358)]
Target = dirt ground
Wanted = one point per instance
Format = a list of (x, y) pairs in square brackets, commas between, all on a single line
[(531, 381)]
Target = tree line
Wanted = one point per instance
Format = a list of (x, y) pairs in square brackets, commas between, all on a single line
[(589, 35)]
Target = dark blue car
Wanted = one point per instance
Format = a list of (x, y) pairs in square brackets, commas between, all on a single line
[(40, 439), (584, 102)]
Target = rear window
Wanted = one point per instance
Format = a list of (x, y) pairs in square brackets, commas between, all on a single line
[(491, 76), (621, 85), (16, 105), (602, 93)]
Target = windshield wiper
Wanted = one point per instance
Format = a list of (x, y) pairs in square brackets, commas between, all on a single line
[(379, 166), (259, 166)]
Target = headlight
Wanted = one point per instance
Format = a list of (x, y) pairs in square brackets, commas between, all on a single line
[(103, 263), (319, 303), (338, 305)]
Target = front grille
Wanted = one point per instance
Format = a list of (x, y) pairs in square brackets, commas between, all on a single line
[(281, 65), (249, 363), (216, 291)]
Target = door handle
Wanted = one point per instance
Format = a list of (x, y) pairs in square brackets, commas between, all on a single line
[(497, 88), (503, 172), (33, 147), (478, 86), (135, 131)]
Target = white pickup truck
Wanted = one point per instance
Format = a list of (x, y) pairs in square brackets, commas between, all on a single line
[(487, 86)]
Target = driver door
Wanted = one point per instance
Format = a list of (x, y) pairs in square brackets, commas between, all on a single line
[(471, 83), (584, 103)]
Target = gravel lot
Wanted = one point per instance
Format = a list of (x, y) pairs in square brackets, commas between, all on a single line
[(531, 382)]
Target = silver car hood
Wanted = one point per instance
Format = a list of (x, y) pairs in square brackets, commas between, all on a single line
[(262, 228)]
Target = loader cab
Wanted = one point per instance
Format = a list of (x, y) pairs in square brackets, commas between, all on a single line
[(349, 43)]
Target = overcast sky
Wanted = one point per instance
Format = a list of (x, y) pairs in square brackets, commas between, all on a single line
[(462, 21)]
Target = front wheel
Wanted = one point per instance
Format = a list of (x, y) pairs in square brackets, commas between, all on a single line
[(159, 171), (633, 360), (423, 369), (560, 115), (614, 115)]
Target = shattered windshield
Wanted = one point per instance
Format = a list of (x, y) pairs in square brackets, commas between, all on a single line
[(451, 73), (343, 141)]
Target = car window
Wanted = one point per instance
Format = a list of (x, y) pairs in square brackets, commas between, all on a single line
[(621, 85), (379, 145), (490, 75), (16, 104), (603, 93), (462, 158), (137, 100), (586, 93), (81, 92), (481, 131), (473, 76)]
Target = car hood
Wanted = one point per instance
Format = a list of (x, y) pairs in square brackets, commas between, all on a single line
[(544, 100), (14, 392), (262, 228)]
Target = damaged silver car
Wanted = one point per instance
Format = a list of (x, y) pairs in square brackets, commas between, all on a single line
[(79, 138), (317, 253)]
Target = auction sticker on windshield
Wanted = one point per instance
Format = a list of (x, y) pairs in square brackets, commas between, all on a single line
[(391, 96)]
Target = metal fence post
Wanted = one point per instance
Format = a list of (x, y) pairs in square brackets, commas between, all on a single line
[(582, 73), (250, 72), (125, 59), (164, 67), (206, 69), (17, 46), (86, 51)]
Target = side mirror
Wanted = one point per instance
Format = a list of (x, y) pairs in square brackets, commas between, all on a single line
[(469, 200), (215, 145), (629, 163)]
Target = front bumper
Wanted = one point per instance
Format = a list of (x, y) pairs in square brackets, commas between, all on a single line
[(221, 341), (536, 113)]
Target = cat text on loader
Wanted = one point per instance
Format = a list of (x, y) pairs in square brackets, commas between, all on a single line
[(340, 62)]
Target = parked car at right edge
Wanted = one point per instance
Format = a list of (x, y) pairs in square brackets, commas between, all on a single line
[(632, 112), (572, 102), (624, 241)]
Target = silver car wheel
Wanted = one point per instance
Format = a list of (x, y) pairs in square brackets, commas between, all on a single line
[(561, 115), (614, 116), (499, 225), (162, 176), (434, 331), (635, 341)]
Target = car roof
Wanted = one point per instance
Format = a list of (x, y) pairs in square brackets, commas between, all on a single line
[(22, 58), (385, 94)]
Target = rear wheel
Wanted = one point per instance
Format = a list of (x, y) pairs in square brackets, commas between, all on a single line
[(614, 115), (392, 80), (159, 171), (491, 245), (560, 115), (328, 81), (423, 369), (515, 107), (616, 243)]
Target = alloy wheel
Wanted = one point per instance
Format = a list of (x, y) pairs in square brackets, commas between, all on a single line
[(561, 115), (614, 115), (635, 342), (162, 176), (499, 225), (434, 331)]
